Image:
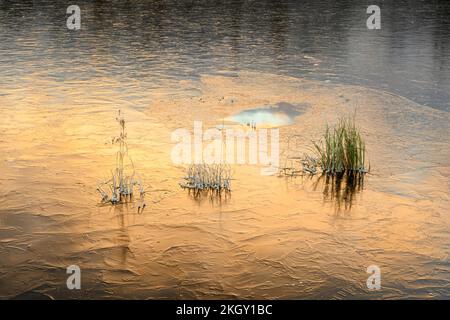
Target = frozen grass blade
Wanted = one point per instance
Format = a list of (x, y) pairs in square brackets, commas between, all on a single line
[(208, 177), (121, 184)]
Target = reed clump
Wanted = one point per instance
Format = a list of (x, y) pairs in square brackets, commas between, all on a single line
[(342, 148), (208, 177), (124, 183)]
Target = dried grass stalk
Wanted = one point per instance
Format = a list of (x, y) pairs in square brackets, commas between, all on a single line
[(124, 180)]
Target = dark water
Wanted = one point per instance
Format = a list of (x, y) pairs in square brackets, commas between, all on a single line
[(160, 42)]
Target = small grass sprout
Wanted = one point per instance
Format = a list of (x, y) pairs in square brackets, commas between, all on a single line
[(208, 177)]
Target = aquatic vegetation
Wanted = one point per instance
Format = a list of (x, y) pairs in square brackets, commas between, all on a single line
[(337, 162), (208, 177), (306, 164), (309, 164), (120, 188), (295, 165), (342, 148)]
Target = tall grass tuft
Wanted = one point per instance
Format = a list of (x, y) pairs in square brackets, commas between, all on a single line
[(342, 148), (124, 180)]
